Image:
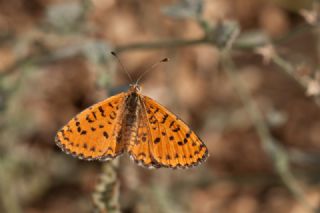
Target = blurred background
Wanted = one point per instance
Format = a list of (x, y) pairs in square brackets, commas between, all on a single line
[(244, 74)]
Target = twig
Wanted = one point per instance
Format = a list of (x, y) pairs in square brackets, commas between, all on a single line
[(106, 196), (51, 56), (161, 44), (43, 58), (289, 69), (237, 45)]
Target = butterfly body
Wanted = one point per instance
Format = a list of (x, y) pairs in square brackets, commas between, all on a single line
[(134, 123), (130, 118)]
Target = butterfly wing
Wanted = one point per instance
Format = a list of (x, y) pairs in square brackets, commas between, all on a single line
[(171, 142), (92, 134)]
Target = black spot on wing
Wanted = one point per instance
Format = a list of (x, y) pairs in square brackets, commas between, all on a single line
[(89, 119), (157, 110), (176, 129), (102, 112), (105, 134), (171, 124), (94, 115), (157, 140), (164, 118)]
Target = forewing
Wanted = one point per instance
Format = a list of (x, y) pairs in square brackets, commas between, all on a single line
[(92, 134), (172, 143)]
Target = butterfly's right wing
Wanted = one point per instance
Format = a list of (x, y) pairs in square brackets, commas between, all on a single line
[(92, 134), (172, 143)]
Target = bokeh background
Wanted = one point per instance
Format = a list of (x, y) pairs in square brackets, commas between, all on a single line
[(244, 74)]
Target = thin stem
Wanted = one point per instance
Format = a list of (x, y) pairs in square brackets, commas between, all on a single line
[(171, 43), (288, 69), (161, 44), (106, 195)]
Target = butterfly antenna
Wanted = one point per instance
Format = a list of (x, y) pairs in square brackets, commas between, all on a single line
[(123, 68), (151, 68)]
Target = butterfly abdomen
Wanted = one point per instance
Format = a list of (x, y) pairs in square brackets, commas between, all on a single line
[(129, 129)]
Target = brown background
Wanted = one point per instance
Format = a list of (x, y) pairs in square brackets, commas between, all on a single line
[(55, 61)]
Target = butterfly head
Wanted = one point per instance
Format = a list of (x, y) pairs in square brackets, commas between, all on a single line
[(135, 88)]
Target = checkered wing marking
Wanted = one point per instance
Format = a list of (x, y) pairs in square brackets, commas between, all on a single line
[(171, 142), (92, 134)]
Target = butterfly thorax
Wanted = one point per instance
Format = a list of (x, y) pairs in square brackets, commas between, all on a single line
[(131, 106)]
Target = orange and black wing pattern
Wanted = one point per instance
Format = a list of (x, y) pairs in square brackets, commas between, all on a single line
[(92, 134), (171, 143)]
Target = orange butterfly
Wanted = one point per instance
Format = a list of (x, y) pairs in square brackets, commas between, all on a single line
[(132, 122)]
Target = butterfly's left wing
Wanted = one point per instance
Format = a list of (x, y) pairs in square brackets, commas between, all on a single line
[(92, 134), (172, 143)]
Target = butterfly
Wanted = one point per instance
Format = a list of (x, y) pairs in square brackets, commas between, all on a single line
[(133, 123)]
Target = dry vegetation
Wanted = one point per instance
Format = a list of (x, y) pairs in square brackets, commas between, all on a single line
[(243, 74)]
